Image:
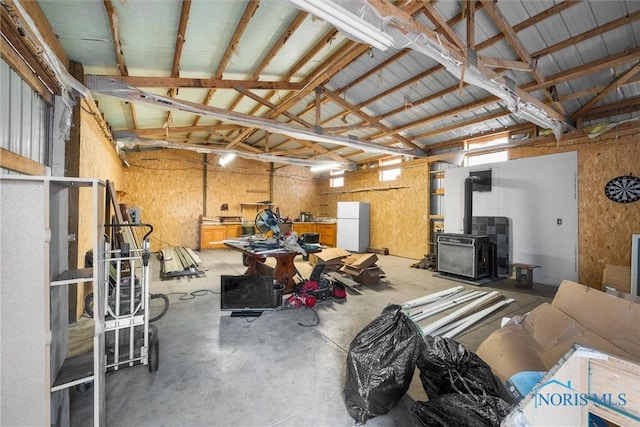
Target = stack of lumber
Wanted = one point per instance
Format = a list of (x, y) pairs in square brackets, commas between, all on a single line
[(179, 261)]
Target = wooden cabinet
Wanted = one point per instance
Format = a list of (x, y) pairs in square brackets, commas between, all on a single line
[(327, 231), (304, 227), (327, 234), (212, 235), (234, 231)]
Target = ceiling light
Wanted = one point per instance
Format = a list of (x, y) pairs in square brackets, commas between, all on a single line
[(226, 159), (346, 21), (326, 167)]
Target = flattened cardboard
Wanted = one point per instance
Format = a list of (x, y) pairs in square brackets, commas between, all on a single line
[(577, 315), (364, 276), (607, 316), (361, 260), (508, 351), (331, 257), (617, 277)]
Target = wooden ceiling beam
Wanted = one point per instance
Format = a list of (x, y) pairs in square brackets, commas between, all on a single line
[(594, 90), (521, 26), (279, 44), (367, 118), (32, 8), (512, 37), (612, 86), (631, 105), (599, 30), (177, 52), (470, 20), (248, 13), (442, 24), (557, 78), (553, 10), (339, 60), (20, 57), (272, 106), (399, 55), (183, 82), (122, 67), (185, 129)]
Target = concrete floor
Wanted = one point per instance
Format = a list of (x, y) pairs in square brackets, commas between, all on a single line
[(216, 370)]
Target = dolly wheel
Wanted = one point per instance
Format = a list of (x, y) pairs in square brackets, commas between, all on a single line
[(154, 354)]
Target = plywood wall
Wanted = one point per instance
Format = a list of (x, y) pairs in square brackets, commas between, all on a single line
[(174, 188), (399, 209), (170, 188), (97, 160), (605, 227)]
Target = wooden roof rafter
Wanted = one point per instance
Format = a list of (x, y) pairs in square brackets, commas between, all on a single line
[(512, 37), (620, 80), (519, 27), (122, 67), (177, 53)]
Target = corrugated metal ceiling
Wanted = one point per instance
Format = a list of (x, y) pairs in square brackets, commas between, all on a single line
[(432, 107)]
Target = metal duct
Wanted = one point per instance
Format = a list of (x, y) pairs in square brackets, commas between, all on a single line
[(467, 219)]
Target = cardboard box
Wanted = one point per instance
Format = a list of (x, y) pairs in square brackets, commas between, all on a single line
[(361, 260), (583, 382), (577, 315), (330, 257), (617, 277), (364, 276)]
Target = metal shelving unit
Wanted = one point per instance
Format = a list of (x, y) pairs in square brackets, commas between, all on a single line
[(35, 299)]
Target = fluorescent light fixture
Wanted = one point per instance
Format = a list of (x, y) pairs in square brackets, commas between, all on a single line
[(346, 21), (119, 89), (226, 159), (326, 167)]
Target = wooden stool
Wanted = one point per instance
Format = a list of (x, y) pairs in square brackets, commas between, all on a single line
[(524, 275)]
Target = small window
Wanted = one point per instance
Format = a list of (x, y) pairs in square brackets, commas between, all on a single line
[(481, 159), (337, 178), (390, 174)]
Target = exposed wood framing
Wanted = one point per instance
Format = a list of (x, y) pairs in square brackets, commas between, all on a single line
[(122, 67), (15, 162)]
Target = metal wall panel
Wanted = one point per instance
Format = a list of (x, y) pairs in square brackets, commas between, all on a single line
[(25, 119)]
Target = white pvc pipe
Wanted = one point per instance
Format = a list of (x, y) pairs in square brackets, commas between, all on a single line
[(446, 305), (460, 312), (432, 297), (476, 318)]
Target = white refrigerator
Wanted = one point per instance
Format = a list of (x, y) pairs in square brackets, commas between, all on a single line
[(353, 226)]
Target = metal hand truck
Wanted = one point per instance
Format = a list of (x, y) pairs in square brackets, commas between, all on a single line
[(130, 340)]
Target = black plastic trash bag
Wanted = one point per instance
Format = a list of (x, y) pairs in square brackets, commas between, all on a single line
[(446, 366), (381, 363), (455, 410)]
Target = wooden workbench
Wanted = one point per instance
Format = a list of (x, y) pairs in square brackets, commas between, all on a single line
[(284, 270)]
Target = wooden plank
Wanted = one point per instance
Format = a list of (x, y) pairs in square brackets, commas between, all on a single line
[(18, 163)]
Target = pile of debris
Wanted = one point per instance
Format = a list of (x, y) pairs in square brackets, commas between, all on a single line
[(428, 262), (361, 268)]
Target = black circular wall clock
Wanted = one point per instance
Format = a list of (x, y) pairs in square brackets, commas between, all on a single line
[(623, 189)]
